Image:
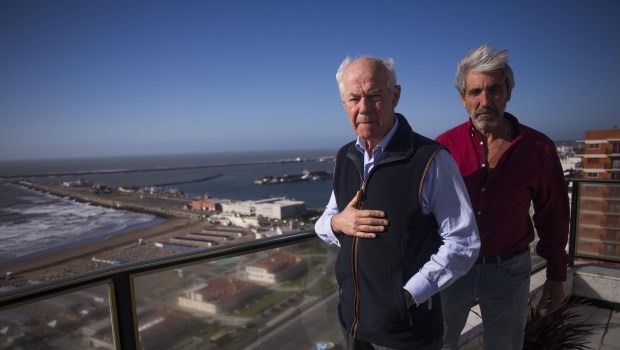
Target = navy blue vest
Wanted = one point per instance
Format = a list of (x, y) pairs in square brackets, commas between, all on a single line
[(372, 272)]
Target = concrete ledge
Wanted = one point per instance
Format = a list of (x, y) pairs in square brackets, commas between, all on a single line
[(598, 282)]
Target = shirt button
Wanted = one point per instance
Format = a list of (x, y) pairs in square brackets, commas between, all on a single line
[(483, 165), (482, 143), (483, 189), (479, 213)]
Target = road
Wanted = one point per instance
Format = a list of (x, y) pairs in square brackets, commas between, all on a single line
[(317, 323)]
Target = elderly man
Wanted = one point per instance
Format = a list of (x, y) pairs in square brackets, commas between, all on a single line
[(506, 166), (400, 214)]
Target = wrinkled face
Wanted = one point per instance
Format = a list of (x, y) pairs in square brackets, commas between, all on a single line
[(367, 101), (485, 98)]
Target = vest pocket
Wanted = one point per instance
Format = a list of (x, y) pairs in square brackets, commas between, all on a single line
[(397, 293)]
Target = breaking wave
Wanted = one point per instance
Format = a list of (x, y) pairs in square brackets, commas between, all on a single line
[(36, 222)]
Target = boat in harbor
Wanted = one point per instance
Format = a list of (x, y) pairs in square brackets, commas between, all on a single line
[(306, 175)]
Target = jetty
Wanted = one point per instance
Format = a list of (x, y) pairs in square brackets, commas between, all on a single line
[(162, 206)]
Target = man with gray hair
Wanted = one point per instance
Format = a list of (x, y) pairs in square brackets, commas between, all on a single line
[(506, 166), (400, 214)]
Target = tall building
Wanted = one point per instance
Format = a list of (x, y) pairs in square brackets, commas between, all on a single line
[(601, 155), (598, 221)]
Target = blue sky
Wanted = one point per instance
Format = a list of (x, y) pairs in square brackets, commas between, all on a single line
[(104, 78)]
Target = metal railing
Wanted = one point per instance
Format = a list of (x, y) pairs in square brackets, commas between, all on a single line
[(120, 281)]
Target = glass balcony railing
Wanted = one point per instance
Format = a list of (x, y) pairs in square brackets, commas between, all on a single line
[(282, 297), (270, 293), (276, 292), (595, 229)]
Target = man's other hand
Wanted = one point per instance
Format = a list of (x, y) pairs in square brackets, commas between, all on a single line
[(552, 296), (362, 223)]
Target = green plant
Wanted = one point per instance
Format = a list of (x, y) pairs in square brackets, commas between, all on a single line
[(557, 329)]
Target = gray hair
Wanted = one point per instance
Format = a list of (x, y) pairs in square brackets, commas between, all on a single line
[(484, 59), (388, 64)]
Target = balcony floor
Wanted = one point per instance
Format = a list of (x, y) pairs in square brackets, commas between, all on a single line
[(591, 281), (606, 326)]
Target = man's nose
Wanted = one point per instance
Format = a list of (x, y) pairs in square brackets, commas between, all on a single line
[(485, 99), (364, 104)]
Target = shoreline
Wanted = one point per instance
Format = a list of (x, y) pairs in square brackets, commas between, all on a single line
[(100, 237), (65, 261), (76, 257)]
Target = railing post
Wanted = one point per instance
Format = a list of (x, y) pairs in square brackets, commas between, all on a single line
[(124, 313), (572, 246)]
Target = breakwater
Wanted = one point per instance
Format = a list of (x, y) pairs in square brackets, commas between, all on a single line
[(161, 206), (187, 181), (160, 169)]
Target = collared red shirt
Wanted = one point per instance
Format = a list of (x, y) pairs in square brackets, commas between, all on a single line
[(444, 194), (528, 172)]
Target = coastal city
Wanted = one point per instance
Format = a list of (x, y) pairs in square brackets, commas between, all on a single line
[(231, 301), (189, 223)]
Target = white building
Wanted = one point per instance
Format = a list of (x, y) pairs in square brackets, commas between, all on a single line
[(273, 208), (239, 207), (280, 209)]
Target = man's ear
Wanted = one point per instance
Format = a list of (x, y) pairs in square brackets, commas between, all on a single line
[(396, 95)]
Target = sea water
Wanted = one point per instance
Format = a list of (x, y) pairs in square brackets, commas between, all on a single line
[(35, 223)]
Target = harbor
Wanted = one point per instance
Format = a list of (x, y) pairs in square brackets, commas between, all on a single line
[(180, 227)]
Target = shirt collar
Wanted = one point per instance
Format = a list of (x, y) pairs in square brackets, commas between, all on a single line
[(361, 142)]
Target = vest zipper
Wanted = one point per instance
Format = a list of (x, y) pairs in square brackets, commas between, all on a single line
[(356, 297), (354, 263)]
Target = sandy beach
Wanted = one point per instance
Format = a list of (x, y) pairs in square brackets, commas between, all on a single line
[(77, 259)]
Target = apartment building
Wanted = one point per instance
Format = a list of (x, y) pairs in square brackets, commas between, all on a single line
[(601, 154), (598, 224)]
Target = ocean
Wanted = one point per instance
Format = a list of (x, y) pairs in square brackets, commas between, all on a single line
[(33, 223)]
